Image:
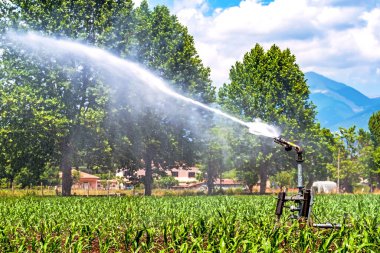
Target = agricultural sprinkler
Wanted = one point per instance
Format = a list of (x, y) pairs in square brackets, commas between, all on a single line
[(303, 200)]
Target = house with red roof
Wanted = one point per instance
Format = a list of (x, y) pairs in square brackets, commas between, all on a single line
[(182, 175), (83, 180), (87, 181)]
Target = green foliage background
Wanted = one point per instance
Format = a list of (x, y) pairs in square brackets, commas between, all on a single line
[(58, 115)]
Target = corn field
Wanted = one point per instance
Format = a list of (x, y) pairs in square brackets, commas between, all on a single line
[(184, 224)]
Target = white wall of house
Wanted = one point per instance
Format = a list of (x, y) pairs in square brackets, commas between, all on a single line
[(182, 175)]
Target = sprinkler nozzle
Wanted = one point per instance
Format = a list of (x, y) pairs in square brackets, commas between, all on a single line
[(289, 146)]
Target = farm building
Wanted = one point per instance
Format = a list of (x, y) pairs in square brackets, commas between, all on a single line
[(83, 180), (113, 184), (187, 175), (227, 183), (187, 178), (184, 175), (218, 183)]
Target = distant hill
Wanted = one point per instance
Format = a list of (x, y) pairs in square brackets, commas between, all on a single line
[(340, 105)]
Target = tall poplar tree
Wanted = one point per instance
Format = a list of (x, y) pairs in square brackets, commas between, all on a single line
[(163, 45), (269, 85), (374, 128), (154, 38), (78, 93)]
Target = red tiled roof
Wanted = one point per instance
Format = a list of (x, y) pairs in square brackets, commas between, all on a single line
[(187, 186), (226, 181), (82, 175), (87, 176), (181, 172)]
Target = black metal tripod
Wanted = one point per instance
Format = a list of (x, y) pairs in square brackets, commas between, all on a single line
[(304, 198)]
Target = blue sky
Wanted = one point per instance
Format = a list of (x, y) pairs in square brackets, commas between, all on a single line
[(336, 38), (212, 3)]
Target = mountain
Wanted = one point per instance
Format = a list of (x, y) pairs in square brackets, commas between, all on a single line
[(339, 105)]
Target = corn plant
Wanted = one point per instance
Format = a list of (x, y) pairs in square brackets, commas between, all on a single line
[(184, 224)]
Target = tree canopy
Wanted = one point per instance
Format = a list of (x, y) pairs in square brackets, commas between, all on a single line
[(56, 114), (86, 126), (270, 86)]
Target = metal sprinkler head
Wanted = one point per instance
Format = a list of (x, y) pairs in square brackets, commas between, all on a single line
[(289, 146)]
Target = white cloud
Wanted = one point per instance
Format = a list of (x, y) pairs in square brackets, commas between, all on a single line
[(200, 5), (368, 38), (137, 2), (320, 91), (338, 40)]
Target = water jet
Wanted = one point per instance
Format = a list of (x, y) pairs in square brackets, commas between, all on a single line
[(106, 61)]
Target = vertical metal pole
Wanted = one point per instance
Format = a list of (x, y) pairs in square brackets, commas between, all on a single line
[(300, 187), (338, 170), (108, 183), (299, 177)]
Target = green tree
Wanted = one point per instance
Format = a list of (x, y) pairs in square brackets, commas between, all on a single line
[(30, 125), (374, 128), (366, 157), (154, 38), (248, 176), (350, 167), (81, 20), (243, 148), (217, 154), (355, 152), (167, 182), (285, 178), (164, 45), (50, 175), (376, 165), (161, 43), (320, 149), (270, 86)]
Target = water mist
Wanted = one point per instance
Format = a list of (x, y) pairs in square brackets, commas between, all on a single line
[(121, 67)]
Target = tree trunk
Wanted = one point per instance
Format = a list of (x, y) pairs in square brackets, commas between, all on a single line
[(210, 179), (67, 179), (263, 168), (250, 188), (148, 181), (348, 186), (263, 178), (310, 182)]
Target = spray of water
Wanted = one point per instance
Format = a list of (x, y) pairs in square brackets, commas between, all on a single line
[(109, 62)]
